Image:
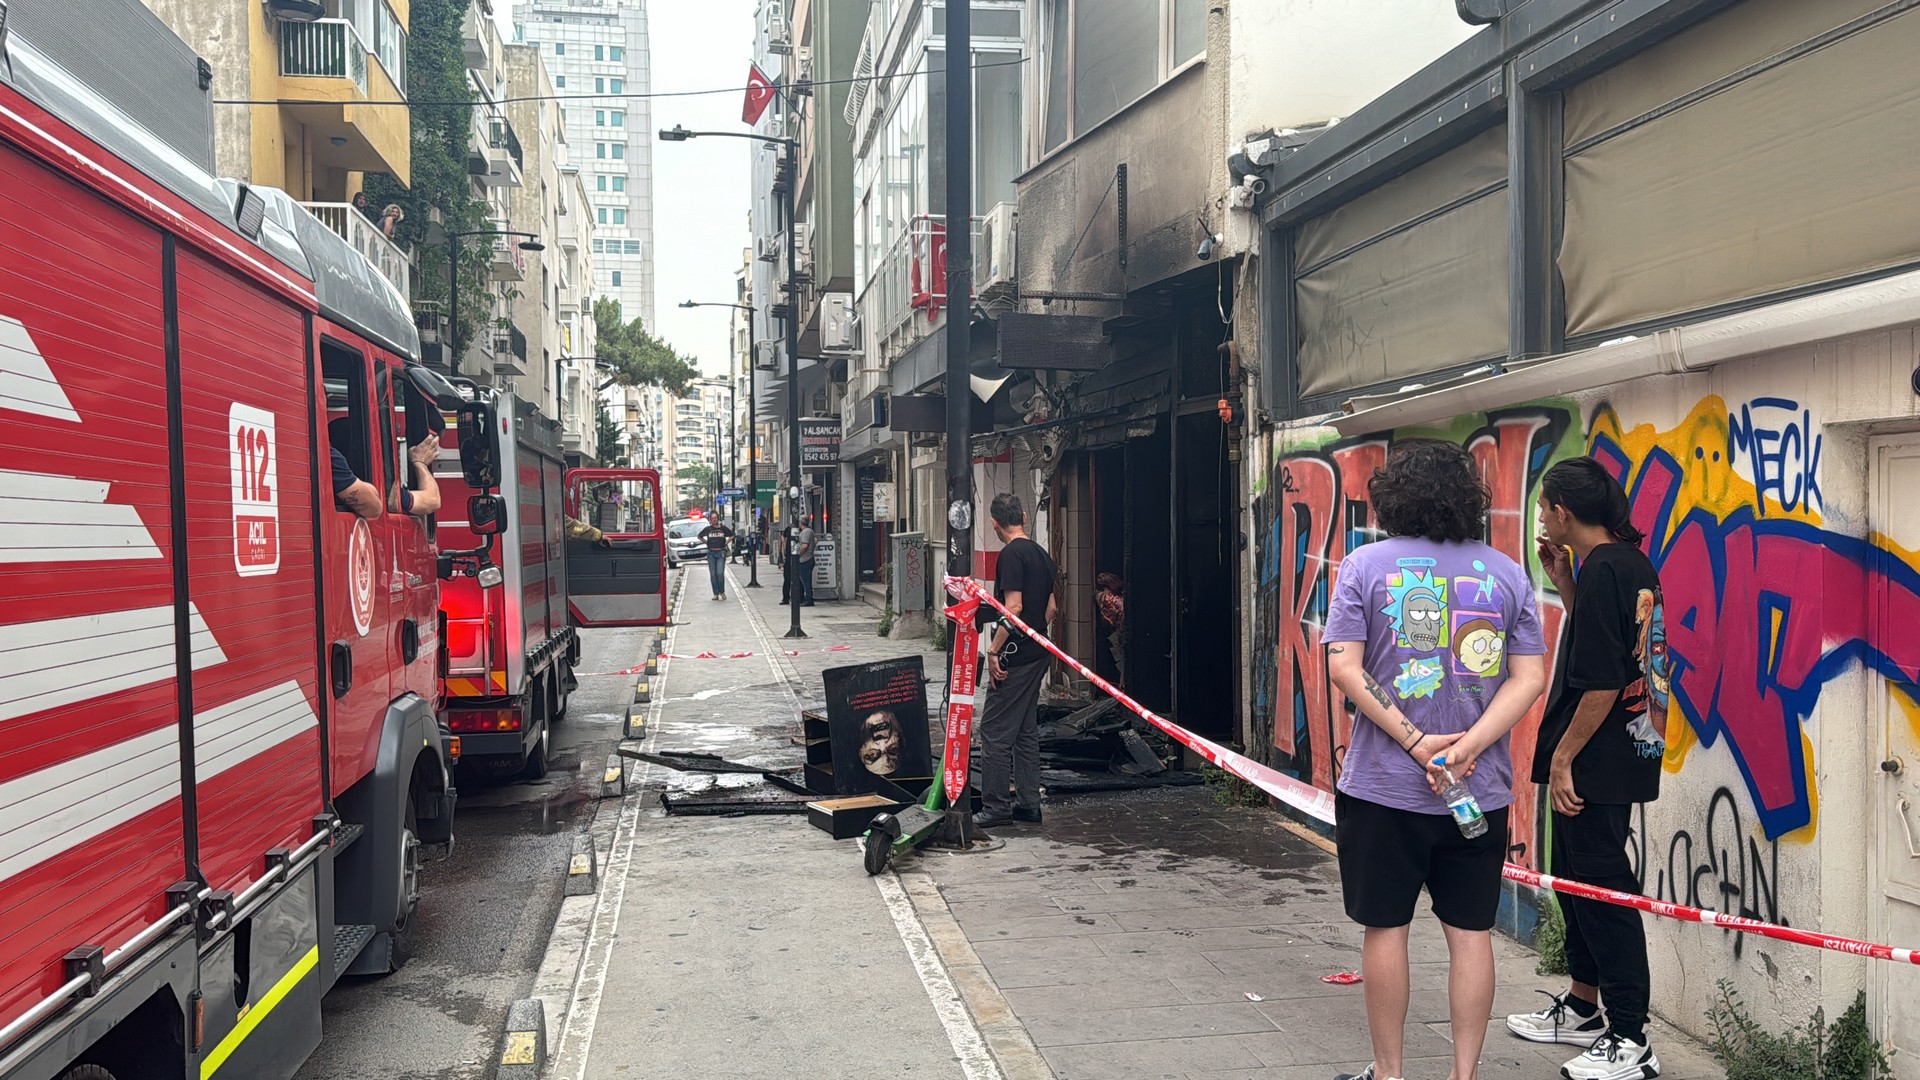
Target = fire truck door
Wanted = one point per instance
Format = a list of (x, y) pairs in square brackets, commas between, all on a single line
[(619, 579)]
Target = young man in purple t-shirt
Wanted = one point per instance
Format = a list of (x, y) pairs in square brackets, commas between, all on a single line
[(1434, 637)]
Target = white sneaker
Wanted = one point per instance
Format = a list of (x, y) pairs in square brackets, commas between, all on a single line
[(1363, 1074), (1557, 1023), (1613, 1058)]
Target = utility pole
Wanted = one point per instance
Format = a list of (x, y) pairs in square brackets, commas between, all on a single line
[(959, 329), (796, 495)]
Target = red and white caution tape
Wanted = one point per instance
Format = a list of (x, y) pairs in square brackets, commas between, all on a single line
[(966, 672), (1319, 805)]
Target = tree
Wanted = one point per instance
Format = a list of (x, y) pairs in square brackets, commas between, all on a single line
[(701, 479), (610, 446), (638, 358), (442, 126)]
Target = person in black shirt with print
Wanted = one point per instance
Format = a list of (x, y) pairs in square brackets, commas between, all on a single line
[(1010, 723), (1599, 752)]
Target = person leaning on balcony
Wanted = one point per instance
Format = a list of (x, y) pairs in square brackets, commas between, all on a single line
[(390, 218), (361, 204)]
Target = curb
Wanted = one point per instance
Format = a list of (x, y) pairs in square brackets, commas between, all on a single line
[(1006, 1037), (523, 1046), (536, 1024)]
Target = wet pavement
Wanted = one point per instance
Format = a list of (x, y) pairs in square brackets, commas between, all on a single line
[(488, 907), (1160, 935)]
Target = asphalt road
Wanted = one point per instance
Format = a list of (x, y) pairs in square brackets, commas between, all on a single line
[(487, 909)]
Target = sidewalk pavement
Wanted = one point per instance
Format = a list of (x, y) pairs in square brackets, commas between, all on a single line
[(1136, 935)]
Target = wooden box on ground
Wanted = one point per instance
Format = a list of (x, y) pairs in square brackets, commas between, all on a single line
[(843, 818)]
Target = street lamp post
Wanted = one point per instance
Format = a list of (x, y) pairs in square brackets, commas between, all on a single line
[(530, 242), (790, 153), (753, 437)]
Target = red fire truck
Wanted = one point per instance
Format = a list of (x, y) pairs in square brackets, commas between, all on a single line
[(512, 647), (217, 689)]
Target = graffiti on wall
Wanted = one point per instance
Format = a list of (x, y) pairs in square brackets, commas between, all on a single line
[(1719, 865), (1315, 512), (1765, 606)]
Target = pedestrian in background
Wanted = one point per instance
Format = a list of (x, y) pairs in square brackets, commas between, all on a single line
[(717, 536), (1016, 666), (1600, 750), (803, 556), (1434, 637)]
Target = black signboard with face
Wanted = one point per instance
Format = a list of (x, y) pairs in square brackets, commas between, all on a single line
[(877, 718)]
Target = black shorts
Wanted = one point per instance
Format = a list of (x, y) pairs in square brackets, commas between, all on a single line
[(1386, 855)]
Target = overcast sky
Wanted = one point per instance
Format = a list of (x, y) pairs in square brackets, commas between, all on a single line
[(700, 187)]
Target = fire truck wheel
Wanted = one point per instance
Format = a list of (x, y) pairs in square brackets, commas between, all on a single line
[(537, 759), (86, 1072), (403, 930)]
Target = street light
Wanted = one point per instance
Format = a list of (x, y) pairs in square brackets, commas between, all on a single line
[(529, 243), (753, 436), (789, 153)]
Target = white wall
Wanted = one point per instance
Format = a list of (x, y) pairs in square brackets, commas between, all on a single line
[(1297, 62)]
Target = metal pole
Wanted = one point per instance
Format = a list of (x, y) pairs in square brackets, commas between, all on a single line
[(959, 329), (796, 497), (453, 300), (753, 465)]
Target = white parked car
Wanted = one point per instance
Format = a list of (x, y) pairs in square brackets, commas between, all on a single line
[(683, 541)]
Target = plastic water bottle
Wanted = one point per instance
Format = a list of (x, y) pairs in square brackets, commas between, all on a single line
[(1460, 800)]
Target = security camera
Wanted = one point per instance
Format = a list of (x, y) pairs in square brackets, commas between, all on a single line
[(1206, 248)]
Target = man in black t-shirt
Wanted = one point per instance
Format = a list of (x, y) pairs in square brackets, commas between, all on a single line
[(1016, 666), (1599, 752), (716, 536)]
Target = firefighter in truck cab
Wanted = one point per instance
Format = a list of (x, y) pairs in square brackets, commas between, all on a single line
[(423, 498)]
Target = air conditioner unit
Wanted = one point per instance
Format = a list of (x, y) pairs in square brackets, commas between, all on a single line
[(769, 248), (993, 264), (803, 248), (765, 355), (839, 324), (803, 63)]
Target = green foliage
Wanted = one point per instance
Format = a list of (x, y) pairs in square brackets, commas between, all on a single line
[(702, 479), (886, 620), (939, 636), (1844, 1051), (1230, 790), (607, 442), (437, 73), (1550, 938), (637, 357)]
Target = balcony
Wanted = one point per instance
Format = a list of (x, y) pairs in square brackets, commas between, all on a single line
[(479, 39), (333, 85), (494, 159), (509, 262), (907, 294), (509, 351), (386, 256)]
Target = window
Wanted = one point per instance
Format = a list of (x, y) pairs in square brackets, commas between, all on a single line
[(617, 54), (619, 183), (616, 279), (560, 81), (559, 48), (620, 507), (603, 215), (601, 181), (600, 150), (389, 451), (633, 247), (599, 52), (1102, 55), (617, 118), (599, 247), (619, 217), (599, 85), (390, 45), (619, 86), (345, 374), (619, 151), (600, 117)]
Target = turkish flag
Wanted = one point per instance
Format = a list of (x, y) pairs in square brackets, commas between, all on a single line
[(759, 95)]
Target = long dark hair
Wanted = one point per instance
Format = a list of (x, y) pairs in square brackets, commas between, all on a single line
[(1590, 493), (1430, 488)]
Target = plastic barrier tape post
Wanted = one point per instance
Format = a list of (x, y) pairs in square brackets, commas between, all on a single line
[(966, 671)]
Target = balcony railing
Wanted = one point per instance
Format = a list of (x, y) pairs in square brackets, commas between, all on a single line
[(325, 49), (912, 279), (503, 138), (386, 256)]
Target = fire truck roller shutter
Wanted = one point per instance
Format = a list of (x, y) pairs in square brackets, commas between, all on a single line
[(374, 880)]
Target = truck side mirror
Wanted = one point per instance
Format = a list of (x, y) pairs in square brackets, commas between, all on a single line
[(486, 514), (479, 446)]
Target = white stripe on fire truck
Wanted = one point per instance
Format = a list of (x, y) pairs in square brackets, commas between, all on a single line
[(59, 519), (65, 661), (63, 806), (26, 382)]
